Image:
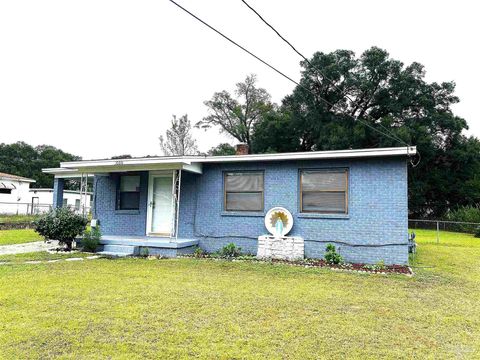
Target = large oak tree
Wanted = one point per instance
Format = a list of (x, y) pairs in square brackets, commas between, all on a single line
[(376, 91)]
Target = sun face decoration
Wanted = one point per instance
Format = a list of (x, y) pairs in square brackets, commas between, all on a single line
[(279, 215)]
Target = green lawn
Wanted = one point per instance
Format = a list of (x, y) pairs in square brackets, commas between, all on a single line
[(183, 308), (9, 237)]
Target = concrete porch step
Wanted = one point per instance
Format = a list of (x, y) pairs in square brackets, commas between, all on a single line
[(119, 250), (113, 254)]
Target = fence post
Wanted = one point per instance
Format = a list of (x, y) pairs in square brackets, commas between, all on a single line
[(438, 232)]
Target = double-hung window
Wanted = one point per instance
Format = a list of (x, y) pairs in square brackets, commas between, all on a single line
[(128, 195), (243, 191), (324, 191)]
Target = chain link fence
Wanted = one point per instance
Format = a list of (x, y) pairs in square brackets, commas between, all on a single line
[(19, 208), (443, 225)]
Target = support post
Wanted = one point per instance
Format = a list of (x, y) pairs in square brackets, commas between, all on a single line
[(58, 186), (438, 232)]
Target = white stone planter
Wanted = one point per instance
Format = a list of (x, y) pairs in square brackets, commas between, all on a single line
[(284, 247)]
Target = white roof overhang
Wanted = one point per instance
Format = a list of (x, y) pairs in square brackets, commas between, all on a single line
[(194, 163)]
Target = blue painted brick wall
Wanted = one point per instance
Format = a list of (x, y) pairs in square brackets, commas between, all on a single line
[(119, 222), (378, 209)]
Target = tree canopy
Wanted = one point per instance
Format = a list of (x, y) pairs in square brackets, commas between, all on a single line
[(25, 160), (222, 149), (178, 139), (376, 91), (237, 116)]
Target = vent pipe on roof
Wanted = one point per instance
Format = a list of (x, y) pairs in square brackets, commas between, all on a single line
[(241, 149)]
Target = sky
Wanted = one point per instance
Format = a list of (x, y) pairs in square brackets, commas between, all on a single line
[(99, 78)]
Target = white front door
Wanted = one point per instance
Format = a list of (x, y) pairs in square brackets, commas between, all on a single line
[(160, 204)]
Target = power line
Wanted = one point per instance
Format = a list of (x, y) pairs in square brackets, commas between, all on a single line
[(318, 70), (278, 71)]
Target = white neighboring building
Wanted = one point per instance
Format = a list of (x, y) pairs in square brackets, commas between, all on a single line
[(42, 200), (16, 197), (14, 194)]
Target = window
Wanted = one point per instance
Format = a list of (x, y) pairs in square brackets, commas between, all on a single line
[(5, 191), (77, 204), (65, 202), (243, 191), (129, 193), (324, 191)]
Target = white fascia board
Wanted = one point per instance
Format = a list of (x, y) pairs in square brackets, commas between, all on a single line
[(312, 155), (126, 162), (27, 180), (186, 162)]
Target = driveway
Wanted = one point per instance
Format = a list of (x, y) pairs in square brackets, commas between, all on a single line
[(28, 247)]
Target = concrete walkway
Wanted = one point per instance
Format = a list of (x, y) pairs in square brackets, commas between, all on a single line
[(28, 247)]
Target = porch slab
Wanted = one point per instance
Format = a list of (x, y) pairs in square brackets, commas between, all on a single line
[(147, 241)]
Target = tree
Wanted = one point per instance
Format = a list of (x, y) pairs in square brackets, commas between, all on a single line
[(25, 160), (221, 150), (234, 117), (376, 91), (178, 139)]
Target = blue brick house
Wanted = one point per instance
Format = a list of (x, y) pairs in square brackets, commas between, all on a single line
[(354, 199)]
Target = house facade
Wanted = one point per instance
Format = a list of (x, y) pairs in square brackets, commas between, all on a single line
[(17, 198), (14, 194), (354, 199)]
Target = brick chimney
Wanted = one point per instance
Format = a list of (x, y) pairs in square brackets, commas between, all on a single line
[(241, 149)]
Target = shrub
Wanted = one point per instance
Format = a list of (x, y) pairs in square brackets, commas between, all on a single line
[(199, 252), (61, 224), (331, 255), (464, 214), (477, 232), (230, 251), (91, 239)]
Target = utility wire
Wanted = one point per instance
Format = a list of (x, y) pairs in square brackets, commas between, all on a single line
[(354, 102), (278, 71)]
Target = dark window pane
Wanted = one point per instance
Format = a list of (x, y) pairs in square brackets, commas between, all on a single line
[(246, 181), (129, 200), (130, 183), (5, 191), (327, 202), (323, 180), (244, 201)]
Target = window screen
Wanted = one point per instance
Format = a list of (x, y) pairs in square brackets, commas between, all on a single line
[(243, 191), (129, 193), (324, 191)]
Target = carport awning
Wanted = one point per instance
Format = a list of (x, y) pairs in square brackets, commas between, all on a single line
[(6, 185)]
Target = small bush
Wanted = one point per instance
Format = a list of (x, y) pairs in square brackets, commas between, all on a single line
[(477, 232), (144, 252), (199, 252), (91, 239), (61, 224), (331, 255), (230, 251), (464, 214)]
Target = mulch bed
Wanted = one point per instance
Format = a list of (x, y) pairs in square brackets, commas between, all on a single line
[(320, 263), (357, 267)]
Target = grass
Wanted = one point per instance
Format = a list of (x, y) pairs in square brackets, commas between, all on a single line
[(5, 218), (41, 256), (10, 237), (183, 308)]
